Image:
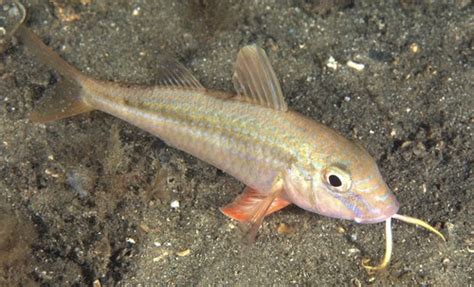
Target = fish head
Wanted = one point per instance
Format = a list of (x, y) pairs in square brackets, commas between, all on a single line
[(346, 184)]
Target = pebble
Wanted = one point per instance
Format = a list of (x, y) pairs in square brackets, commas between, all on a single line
[(163, 255), (136, 11), (353, 251), (184, 253), (356, 66), (406, 144), (356, 282), (145, 228), (446, 262), (423, 188), (285, 229), (331, 63), (174, 204), (414, 48), (341, 230)]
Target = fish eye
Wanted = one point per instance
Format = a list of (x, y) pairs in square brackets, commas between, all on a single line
[(337, 179), (334, 180)]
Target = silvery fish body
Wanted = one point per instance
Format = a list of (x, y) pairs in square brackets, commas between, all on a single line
[(253, 143)]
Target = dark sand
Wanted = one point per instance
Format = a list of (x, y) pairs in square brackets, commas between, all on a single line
[(88, 199)]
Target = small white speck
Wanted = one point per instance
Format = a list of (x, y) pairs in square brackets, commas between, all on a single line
[(136, 11), (174, 204), (332, 64), (423, 187), (347, 98), (157, 244), (353, 251), (130, 240), (354, 236), (408, 110), (371, 132), (51, 173), (355, 66), (162, 256)]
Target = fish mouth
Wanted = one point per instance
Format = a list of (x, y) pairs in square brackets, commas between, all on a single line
[(379, 217)]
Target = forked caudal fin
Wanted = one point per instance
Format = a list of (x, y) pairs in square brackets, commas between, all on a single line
[(66, 99), (389, 242)]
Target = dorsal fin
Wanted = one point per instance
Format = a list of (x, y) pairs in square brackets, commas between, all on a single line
[(172, 73), (255, 80)]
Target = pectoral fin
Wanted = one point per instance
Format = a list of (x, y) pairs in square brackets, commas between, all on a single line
[(243, 207), (251, 207)]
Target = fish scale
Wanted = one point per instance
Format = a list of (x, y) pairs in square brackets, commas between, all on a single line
[(174, 114)]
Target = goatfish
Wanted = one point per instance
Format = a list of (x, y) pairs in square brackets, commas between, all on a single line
[(281, 156)]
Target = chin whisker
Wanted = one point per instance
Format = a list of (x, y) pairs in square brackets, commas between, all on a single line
[(389, 242), (418, 222), (388, 250)]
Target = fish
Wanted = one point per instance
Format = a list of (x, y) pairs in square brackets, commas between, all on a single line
[(282, 156)]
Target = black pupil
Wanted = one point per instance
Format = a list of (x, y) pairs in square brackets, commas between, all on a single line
[(334, 180)]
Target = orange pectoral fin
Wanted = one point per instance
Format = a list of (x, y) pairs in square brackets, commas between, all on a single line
[(245, 206)]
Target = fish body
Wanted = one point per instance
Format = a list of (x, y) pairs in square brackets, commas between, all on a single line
[(253, 143), (282, 156)]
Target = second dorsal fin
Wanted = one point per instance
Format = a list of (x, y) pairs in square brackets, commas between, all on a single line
[(255, 80), (172, 73)]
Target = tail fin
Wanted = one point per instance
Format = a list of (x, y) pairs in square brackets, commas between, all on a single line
[(66, 99)]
